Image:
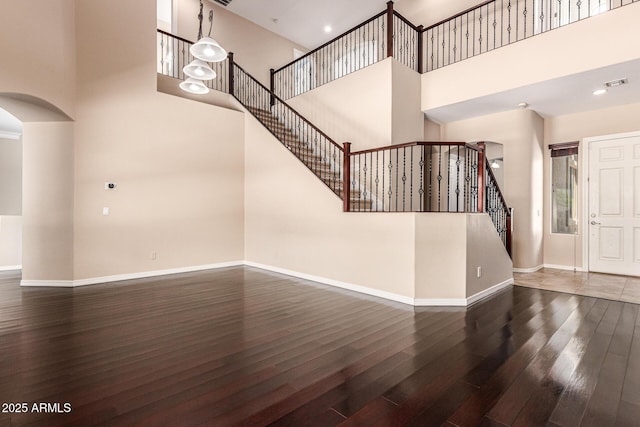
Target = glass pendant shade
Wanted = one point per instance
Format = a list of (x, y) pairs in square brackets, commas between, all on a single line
[(195, 86), (199, 70), (207, 49)]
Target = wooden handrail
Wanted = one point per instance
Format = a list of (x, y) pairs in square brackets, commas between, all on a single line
[(174, 36), (413, 144), (277, 98), (458, 15)]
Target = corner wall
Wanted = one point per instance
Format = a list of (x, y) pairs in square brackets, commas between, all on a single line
[(521, 133)]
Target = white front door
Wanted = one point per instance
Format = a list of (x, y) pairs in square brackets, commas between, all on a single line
[(614, 206)]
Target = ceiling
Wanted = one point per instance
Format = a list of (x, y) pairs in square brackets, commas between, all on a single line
[(565, 95), (303, 21)]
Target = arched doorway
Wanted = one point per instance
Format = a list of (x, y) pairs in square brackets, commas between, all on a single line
[(45, 201), (10, 193)]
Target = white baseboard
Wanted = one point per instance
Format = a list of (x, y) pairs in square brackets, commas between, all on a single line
[(121, 277), (528, 270), (440, 302), (331, 282), (563, 267), (417, 302), (554, 266), (47, 283), (489, 291), (11, 268)]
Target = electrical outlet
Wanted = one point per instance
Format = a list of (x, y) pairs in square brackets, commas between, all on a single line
[(479, 272), (153, 256)]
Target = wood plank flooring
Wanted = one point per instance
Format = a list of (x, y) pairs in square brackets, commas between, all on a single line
[(241, 346)]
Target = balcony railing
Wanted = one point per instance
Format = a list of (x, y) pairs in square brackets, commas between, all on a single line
[(498, 23), (416, 177), (477, 30), (384, 35)]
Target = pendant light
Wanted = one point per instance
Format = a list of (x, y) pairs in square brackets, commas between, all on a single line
[(206, 49), (195, 86), (199, 70)]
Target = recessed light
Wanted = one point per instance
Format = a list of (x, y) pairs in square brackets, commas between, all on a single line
[(523, 105), (599, 91), (327, 28), (616, 83)]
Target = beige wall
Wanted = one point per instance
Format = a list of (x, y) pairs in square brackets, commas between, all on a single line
[(521, 133), (38, 50), (407, 120), (47, 201), (10, 241), (431, 130), (376, 106), (10, 177), (566, 250), (356, 108), (440, 255), (255, 49), (488, 73), (178, 164), (485, 250), (294, 222)]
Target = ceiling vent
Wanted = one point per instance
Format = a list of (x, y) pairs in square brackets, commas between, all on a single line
[(225, 3), (615, 83)]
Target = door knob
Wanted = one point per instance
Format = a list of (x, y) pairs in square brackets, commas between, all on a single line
[(594, 223)]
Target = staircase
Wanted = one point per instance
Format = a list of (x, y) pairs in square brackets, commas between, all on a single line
[(412, 177)]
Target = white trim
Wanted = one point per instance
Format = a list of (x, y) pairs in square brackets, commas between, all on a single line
[(489, 291), (121, 277), (417, 302), (440, 302), (47, 283), (5, 134), (331, 282), (11, 268), (563, 267), (528, 270)]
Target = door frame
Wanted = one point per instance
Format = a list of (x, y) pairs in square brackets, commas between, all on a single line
[(584, 221)]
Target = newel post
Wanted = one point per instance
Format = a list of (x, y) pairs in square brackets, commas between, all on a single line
[(271, 84), (231, 79), (420, 45), (389, 29), (509, 226), (481, 183), (346, 178)]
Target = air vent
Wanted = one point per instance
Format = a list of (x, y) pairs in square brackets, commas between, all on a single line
[(615, 83), (225, 3)]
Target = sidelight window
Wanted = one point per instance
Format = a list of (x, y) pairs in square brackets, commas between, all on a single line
[(564, 188)]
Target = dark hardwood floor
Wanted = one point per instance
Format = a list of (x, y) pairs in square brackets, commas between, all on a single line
[(241, 346)]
